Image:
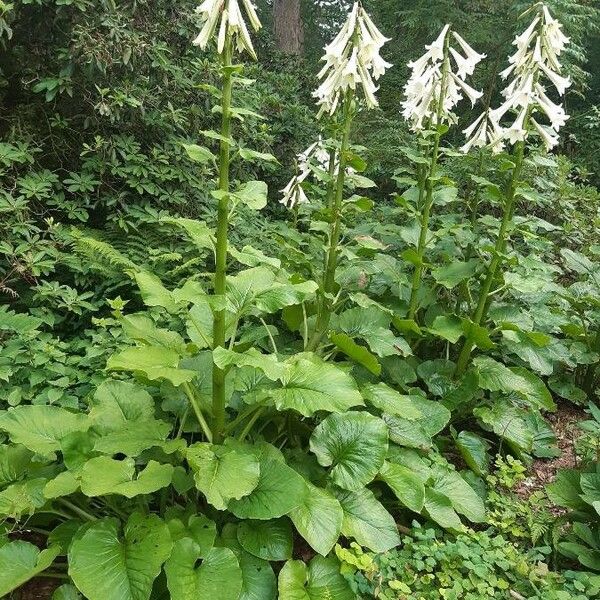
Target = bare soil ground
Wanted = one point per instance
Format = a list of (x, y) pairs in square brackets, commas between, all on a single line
[(543, 471)]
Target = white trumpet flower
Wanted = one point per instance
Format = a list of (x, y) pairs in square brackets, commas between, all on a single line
[(438, 81), (352, 61), (535, 59), (227, 17)]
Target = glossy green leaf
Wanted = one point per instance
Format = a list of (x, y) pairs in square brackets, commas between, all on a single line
[(320, 580), (406, 485), (218, 576), (40, 428), (106, 564), (311, 386), (388, 400), (21, 561), (356, 352), (353, 444), (222, 473), (199, 154), (279, 490), (253, 194), (102, 476), (474, 450), (269, 540), (116, 403), (462, 496), (153, 362), (454, 273), (367, 521), (318, 519), (439, 508)]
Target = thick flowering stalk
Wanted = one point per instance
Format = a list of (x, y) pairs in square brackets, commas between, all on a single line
[(436, 85), (352, 65), (535, 61), (232, 34)]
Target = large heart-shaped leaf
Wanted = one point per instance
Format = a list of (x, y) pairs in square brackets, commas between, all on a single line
[(356, 352), (253, 194), (509, 422), (223, 473), (463, 497), (103, 475), (269, 540), (107, 566), (133, 438), (141, 328), (154, 293), (258, 290), (494, 376), (218, 576), (280, 489), (23, 497), (310, 386), (354, 445), (318, 519), (367, 521), (14, 462), (258, 579), (116, 403), (454, 273), (418, 433), (320, 580), (198, 528), (373, 326), (474, 450), (40, 428), (388, 400), (439, 508), (153, 362), (407, 485), (21, 561)]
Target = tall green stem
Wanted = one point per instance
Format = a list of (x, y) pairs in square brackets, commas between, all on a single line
[(429, 185), (335, 203), (496, 262), (218, 375)]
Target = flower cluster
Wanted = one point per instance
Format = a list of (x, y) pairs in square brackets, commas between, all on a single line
[(227, 16), (316, 154), (535, 60), (352, 59), (438, 81)]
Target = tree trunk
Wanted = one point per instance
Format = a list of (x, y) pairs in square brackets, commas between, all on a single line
[(289, 29)]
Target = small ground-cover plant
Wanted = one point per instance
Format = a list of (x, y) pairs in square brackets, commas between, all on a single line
[(470, 566)]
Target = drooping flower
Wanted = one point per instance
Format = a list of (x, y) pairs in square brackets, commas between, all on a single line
[(316, 155), (223, 18), (536, 59), (485, 131), (352, 61), (438, 81)]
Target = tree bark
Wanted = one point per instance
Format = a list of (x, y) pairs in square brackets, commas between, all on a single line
[(288, 26)]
